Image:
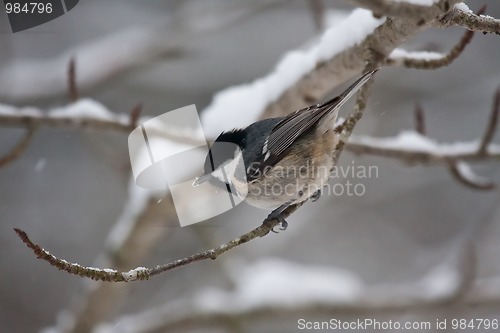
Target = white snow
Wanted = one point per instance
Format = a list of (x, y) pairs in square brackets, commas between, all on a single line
[(441, 281), (286, 285), (241, 105), (412, 141), (467, 172), (418, 2), (86, 108), (83, 108), (10, 110), (463, 7), (276, 282), (420, 55), (132, 274), (27, 78)]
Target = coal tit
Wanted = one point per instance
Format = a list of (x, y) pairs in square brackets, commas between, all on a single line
[(277, 162)]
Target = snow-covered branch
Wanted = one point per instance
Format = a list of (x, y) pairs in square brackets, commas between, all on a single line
[(143, 273), (461, 16), (22, 80), (344, 56), (301, 78), (429, 60), (414, 147), (413, 10), (266, 290)]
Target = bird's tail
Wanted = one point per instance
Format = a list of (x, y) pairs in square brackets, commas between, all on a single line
[(340, 100)]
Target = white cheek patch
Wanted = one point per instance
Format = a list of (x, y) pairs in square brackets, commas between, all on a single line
[(229, 167)]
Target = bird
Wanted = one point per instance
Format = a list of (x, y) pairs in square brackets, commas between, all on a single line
[(277, 162)]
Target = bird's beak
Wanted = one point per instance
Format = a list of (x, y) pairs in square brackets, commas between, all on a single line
[(200, 180)]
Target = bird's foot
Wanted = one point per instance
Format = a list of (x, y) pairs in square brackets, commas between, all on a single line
[(316, 195), (276, 214)]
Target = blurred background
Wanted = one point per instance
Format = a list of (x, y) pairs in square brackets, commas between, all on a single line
[(70, 187)]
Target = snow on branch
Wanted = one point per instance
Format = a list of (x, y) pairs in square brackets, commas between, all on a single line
[(415, 147), (430, 60), (351, 59), (461, 16), (84, 114), (265, 290), (303, 77), (250, 100), (414, 10), (300, 79), (28, 79), (143, 273)]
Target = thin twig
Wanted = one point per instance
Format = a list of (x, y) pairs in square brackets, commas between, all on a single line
[(406, 10), (492, 125), (456, 170), (430, 64), (19, 118), (19, 148), (370, 302), (142, 273), (342, 66), (72, 87), (471, 21), (364, 145), (466, 151), (419, 119), (448, 155), (153, 43), (318, 13), (452, 159), (135, 115), (32, 117), (128, 243)]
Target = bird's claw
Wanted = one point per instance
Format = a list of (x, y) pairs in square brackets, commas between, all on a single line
[(316, 195), (283, 223)]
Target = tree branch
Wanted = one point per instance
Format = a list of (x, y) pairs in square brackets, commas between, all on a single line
[(415, 147), (412, 59), (368, 305), (463, 173), (142, 273), (72, 86), (19, 148), (346, 63), (44, 78), (489, 133), (419, 119), (469, 20), (401, 9), (88, 114)]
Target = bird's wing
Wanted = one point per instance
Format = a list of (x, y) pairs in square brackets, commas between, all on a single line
[(288, 130)]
